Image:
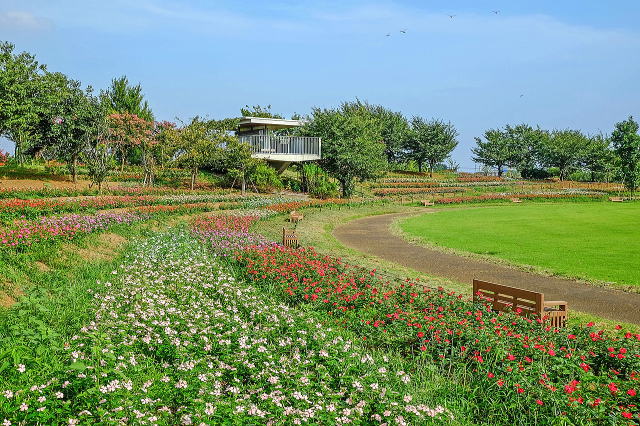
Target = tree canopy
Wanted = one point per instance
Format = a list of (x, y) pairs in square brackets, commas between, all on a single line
[(352, 147), (626, 144), (430, 142)]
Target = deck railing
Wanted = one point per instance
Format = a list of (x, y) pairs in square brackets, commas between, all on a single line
[(273, 144)]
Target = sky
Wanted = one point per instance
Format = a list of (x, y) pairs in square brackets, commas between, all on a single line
[(556, 64)]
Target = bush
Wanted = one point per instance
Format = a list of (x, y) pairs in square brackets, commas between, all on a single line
[(265, 177), (317, 182)]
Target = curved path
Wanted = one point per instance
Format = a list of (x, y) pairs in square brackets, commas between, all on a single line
[(372, 235)]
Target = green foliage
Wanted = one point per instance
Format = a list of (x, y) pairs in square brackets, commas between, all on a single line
[(22, 97), (198, 144), (265, 177), (626, 144), (496, 150), (564, 149), (351, 143), (431, 142), (122, 97), (259, 111), (316, 182)]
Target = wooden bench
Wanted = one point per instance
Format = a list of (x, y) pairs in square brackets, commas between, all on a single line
[(295, 216), (505, 298), (289, 238), (516, 200), (427, 203), (616, 199)]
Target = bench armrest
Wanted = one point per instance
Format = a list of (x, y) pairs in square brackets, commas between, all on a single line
[(561, 303)]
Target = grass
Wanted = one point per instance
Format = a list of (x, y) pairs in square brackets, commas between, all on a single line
[(591, 241)]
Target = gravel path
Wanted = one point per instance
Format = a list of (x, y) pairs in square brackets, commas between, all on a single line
[(372, 235)]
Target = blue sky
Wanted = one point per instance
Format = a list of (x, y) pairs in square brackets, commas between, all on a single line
[(576, 63)]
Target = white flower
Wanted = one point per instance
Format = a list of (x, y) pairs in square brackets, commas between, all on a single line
[(24, 407), (6, 422), (407, 398), (21, 368)]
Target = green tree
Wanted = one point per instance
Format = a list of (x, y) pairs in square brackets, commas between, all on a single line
[(394, 130), (527, 145), (430, 142), (598, 156), (564, 149), (626, 145), (123, 97), (21, 92), (496, 150), (352, 147), (259, 111), (198, 144)]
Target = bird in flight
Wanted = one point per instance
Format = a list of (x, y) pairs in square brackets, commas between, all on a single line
[(388, 35), (496, 11), (521, 96), (403, 31), (452, 16)]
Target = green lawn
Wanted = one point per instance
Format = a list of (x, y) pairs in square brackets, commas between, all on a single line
[(595, 241)]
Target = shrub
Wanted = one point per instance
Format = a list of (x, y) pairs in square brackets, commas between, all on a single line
[(265, 178), (317, 182)]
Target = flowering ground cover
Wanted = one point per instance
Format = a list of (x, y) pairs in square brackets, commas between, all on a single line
[(514, 369), (531, 196), (62, 228), (32, 208), (176, 339)]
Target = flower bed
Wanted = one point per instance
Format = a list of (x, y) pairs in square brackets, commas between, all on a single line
[(177, 340), (27, 233), (575, 375), (405, 191), (504, 197)]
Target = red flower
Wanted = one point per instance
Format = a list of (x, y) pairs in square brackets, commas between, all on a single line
[(631, 392), (627, 415), (613, 388), (539, 402)]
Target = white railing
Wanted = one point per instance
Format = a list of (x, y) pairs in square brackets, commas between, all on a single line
[(273, 144)]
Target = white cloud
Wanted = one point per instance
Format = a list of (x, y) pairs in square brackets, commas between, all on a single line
[(20, 20)]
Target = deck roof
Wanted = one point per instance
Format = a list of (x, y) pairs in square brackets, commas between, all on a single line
[(271, 123)]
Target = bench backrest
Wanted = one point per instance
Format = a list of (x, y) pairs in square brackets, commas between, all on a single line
[(505, 298), (289, 238)]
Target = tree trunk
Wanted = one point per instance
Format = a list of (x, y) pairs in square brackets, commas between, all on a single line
[(74, 168), (420, 166), (500, 171), (430, 170), (244, 183), (347, 187), (194, 172)]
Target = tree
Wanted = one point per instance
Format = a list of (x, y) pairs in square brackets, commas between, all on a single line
[(352, 147), (79, 119), (564, 149), (199, 144), (527, 144), (237, 161), (259, 111), (626, 145), (21, 93), (431, 142), (394, 130), (99, 155), (122, 97), (496, 150), (598, 157), (127, 131)]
